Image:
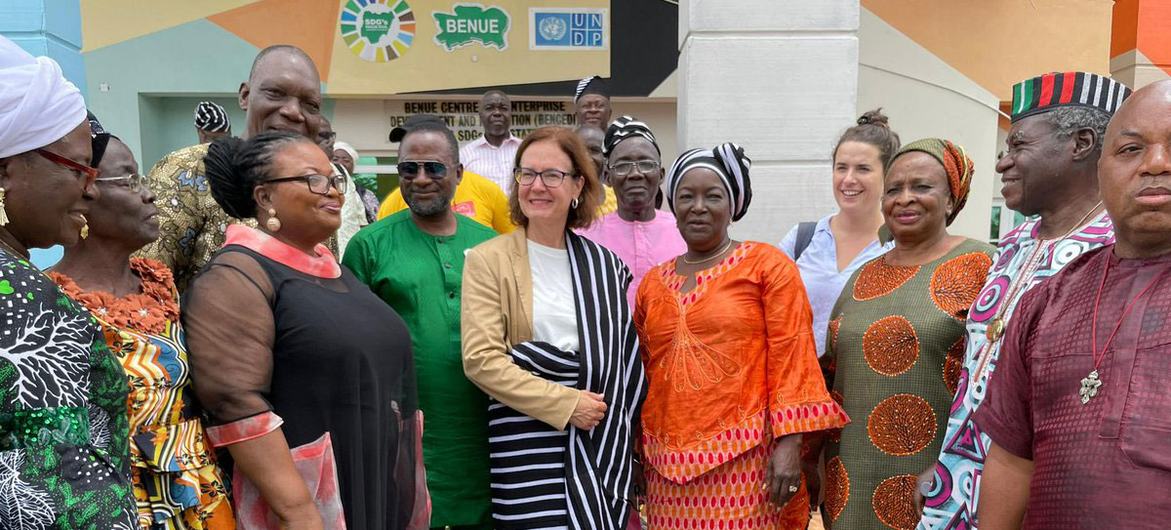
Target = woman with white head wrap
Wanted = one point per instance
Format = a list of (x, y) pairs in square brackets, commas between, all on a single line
[(726, 332), (62, 394), (346, 156)]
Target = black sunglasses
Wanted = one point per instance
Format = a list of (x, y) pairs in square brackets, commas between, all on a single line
[(410, 169)]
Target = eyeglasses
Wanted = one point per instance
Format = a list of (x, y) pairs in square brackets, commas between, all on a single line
[(318, 184), (623, 169), (88, 172), (410, 169), (134, 181), (551, 178)]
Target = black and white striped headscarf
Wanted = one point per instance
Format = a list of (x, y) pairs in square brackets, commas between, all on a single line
[(211, 117), (623, 128), (728, 161)]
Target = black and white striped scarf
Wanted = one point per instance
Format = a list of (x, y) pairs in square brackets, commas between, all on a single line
[(599, 472)]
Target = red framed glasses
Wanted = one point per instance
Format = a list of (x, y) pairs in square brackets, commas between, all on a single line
[(89, 172)]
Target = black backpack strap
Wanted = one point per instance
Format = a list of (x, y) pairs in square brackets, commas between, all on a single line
[(805, 232)]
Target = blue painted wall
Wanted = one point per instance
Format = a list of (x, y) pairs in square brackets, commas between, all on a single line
[(47, 27)]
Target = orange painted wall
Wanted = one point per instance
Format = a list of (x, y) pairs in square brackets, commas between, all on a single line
[(1144, 25), (996, 43)]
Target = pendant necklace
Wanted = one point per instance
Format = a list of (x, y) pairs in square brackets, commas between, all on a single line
[(999, 323), (1092, 382)]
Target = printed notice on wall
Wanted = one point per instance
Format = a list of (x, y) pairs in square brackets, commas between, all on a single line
[(463, 117)]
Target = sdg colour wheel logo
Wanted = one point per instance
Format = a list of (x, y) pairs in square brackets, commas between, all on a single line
[(378, 30)]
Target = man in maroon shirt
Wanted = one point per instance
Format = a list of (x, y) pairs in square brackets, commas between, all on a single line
[(1080, 409)]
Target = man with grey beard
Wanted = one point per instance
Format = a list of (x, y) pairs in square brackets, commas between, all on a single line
[(414, 261)]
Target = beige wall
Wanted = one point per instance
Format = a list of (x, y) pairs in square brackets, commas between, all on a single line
[(365, 122), (926, 97), (777, 78)]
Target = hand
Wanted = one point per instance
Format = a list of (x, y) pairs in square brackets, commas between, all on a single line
[(783, 475), (589, 411), (927, 477)]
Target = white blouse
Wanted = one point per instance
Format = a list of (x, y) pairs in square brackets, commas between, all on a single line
[(554, 309)]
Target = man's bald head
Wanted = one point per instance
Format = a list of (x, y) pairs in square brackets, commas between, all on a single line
[(279, 49), (283, 93), (1134, 173)]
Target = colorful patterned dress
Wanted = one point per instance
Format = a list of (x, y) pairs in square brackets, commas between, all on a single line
[(732, 367), (176, 482), (952, 503), (895, 348), (64, 463)]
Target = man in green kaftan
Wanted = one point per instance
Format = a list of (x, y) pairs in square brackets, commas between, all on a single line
[(414, 261)]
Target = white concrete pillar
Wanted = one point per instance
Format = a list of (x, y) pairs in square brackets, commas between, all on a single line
[(778, 77)]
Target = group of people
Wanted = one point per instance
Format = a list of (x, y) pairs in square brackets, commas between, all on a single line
[(558, 331)]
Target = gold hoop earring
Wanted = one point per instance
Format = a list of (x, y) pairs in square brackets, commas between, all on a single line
[(84, 227), (273, 223), (3, 212)]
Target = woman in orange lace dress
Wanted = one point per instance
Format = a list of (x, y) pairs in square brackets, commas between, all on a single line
[(731, 363), (177, 484)]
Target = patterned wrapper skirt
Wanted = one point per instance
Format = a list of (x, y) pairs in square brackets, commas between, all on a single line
[(732, 496)]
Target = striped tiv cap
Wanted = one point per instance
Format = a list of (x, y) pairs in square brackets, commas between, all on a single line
[(211, 117), (1068, 89)]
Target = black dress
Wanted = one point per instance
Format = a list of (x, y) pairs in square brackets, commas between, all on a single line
[(324, 354)]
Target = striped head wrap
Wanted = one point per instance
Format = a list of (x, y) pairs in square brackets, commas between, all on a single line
[(1068, 89), (593, 84), (955, 163), (623, 128), (211, 117), (728, 161)]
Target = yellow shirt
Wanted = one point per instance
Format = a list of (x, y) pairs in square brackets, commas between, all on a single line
[(475, 197), (610, 204)]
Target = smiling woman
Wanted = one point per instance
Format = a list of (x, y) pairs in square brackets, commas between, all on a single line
[(272, 315), (547, 334), (64, 459), (829, 250), (896, 340)]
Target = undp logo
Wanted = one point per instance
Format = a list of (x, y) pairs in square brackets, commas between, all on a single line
[(377, 31), (553, 29), (568, 29)]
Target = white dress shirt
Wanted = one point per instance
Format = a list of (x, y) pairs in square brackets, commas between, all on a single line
[(491, 162)]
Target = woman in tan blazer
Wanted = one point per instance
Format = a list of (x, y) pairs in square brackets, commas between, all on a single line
[(547, 334)]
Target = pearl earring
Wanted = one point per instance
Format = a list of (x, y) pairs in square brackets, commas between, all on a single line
[(273, 223)]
